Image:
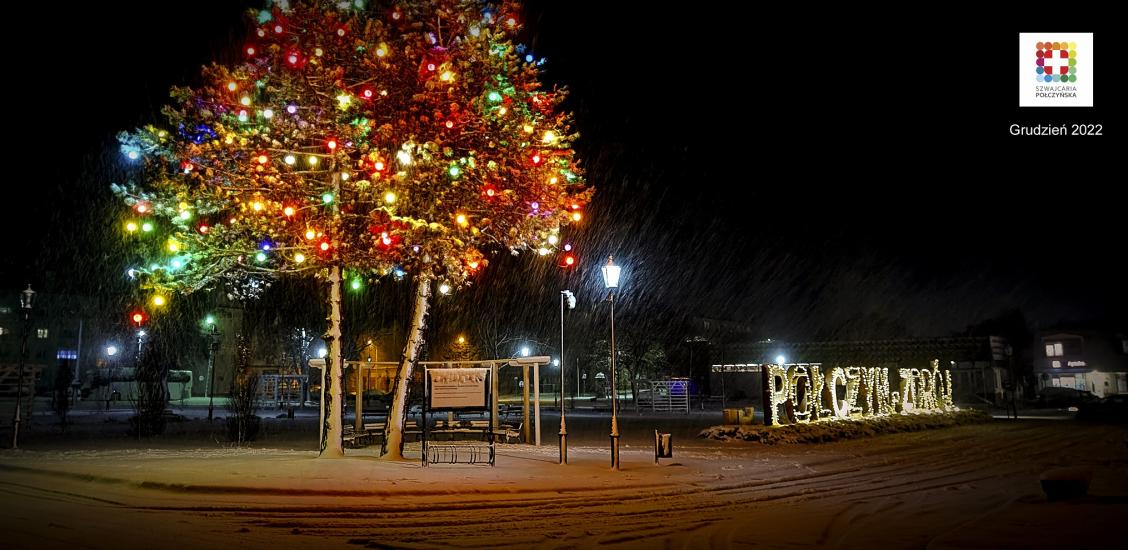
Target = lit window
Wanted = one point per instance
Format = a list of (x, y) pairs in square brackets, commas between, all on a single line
[(41, 333), (1054, 350), (5, 309), (1057, 364), (4, 330), (66, 354)]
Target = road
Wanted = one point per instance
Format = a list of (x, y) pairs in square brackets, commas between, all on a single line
[(965, 487)]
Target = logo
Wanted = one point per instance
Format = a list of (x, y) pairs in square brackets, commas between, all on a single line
[(1055, 70), (1057, 61)]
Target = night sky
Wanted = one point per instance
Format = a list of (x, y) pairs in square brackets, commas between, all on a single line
[(814, 179)]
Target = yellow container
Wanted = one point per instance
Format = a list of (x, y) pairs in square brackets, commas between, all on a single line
[(732, 416)]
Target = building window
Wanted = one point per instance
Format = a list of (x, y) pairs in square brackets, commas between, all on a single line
[(1054, 350), (5, 309), (1056, 364), (66, 354), (41, 333), (4, 330)]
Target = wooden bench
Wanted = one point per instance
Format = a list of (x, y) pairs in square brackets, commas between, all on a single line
[(354, 440)]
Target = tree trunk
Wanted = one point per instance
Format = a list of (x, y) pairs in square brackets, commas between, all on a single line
[(332, 375), (393, 429)]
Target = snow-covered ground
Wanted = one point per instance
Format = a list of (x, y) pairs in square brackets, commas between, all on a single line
[(964, 487)]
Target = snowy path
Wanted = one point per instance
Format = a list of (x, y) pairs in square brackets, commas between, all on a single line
[(947, 488)]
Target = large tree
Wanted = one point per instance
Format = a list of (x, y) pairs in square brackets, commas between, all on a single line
[(356, 142)]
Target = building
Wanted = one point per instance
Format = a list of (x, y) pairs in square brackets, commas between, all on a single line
[(1087, 360), (62, 333), (981, 365), (93, 337)]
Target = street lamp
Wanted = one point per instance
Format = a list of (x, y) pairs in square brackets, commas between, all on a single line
[(213, 346), (563, 427), (611, 282), (525, 351), (27, 301)]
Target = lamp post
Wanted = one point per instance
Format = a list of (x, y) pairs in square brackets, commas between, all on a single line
[(563, 427), (611, 282), (27, 300), (213, 346)]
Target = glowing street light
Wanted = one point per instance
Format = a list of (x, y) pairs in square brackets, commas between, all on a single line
[(611, 282)]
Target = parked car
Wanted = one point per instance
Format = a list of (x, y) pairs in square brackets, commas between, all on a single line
[(1111, 408), (1059, 398)]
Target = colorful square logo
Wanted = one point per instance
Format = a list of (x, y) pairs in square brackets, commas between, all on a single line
[(1056, 61)]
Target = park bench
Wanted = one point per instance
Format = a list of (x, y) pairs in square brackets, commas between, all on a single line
[(353, 439), (372, 431)]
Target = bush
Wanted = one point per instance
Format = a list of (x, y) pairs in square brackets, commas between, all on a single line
[(822, 431), (243, 425), (152, 394)]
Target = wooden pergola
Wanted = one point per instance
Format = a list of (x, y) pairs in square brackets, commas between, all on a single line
[(532, 430)]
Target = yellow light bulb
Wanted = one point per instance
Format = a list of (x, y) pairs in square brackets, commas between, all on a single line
[(389, 197), (289, 211), (173, 246), (232, 86), (312, 160), (576, 216), (131, 227), (549, 137), (257, 206), (310, 234), (299, 258), (528, 128), (461, 219), (158, 300)]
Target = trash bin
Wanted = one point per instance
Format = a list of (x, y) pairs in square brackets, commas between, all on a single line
[(732, 416), (663, 445)]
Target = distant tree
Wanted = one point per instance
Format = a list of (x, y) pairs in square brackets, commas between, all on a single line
[(461, 349)]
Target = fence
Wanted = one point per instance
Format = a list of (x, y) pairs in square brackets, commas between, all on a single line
[(281, 390), (664, 395)]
